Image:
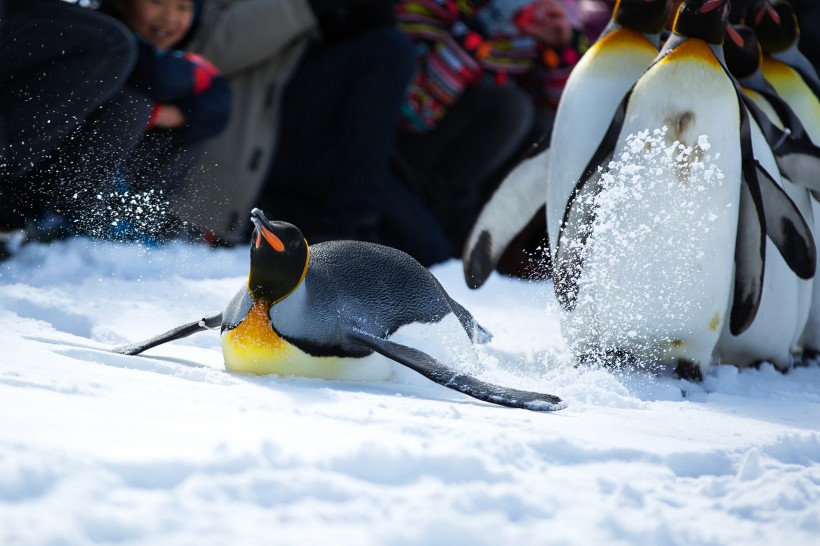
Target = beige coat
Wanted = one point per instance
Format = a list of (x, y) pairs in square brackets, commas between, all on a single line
[(256, 44)]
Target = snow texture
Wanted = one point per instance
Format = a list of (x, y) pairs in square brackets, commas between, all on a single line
[(170, 449)]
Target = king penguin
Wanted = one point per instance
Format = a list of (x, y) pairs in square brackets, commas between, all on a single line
[(787, 83), (683, 253), (336, 309), (778, 32), (794, 80), (785, 298), (625, 49)]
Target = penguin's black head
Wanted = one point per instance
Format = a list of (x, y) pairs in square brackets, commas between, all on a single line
[(774, 23), (703, 19), (279, 258), (647, 16), (742, 52)]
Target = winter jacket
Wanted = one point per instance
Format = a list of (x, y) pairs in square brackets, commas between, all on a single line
[(460, 44), (256, 44), (187, 81)]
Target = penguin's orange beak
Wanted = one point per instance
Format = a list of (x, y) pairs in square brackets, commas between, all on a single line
[(709, 5), (763, 11), (274, 241), (735, 37), (262, 231)]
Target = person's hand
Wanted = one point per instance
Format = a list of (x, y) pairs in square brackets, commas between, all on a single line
[(546, 21), (168, 116)]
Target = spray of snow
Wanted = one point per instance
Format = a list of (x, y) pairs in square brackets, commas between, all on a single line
[(652, 228), (124, 213)]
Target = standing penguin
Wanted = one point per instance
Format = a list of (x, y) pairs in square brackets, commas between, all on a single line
[(785, 298), (652, 277), (778, 32), (607, 70), (792, 76), (323, 311)]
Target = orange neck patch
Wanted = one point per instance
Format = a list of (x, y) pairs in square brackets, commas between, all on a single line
[(253, 346), (625, 37), (695, 50)]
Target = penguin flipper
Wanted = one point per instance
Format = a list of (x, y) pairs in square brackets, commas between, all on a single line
[(505, 215), (206, 323), (579, 214), (750, 245), (749, 265), (797, 156), (786, 227), (437, 372)]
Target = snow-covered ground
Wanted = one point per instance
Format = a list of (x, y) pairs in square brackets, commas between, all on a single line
[(169, 449)]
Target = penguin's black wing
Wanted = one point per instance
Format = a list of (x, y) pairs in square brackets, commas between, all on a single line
[(579, 214), (797, 156), (750, 246), (237, 309), (506, 214), (786, 226), (437, 372), (206, 323)]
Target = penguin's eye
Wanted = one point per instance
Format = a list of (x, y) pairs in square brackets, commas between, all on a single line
[(295, 244)]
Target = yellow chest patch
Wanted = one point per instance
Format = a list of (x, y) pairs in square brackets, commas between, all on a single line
[(693, 50), (616, 49), (625, 38), (778, 71), (254, 347), (791, 87)]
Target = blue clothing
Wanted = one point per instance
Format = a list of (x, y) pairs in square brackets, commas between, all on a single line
[(174, 77)]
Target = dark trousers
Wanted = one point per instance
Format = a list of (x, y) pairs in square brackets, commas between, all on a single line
[(58, 63), (331, 174), (160, 162), (457, 166), (67, 117), (76, 136)]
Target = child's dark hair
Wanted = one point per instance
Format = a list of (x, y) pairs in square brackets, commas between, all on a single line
[(114, 9)]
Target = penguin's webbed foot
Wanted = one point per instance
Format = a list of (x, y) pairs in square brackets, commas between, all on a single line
[(686, 369)]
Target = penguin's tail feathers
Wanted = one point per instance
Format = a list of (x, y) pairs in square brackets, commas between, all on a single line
[(479, 334), (206, 323)]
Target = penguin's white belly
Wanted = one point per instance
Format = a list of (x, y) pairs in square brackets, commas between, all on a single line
[(810, 338), (594, 90), (659, 262), (446, 341), (253, 347)]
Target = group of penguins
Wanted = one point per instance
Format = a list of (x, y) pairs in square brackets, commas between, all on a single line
[(672, 265), (708, 255)]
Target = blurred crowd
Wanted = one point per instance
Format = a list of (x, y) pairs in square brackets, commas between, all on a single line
[(390, 121)]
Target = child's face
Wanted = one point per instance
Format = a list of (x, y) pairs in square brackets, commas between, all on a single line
[(161, 22)]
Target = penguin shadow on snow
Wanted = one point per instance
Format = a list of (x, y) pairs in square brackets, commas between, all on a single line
[(164, 365), (313, 390), (59, 319)]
